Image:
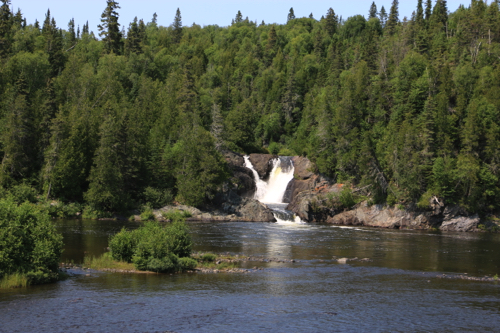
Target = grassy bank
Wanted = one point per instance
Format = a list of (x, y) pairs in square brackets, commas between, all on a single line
[(204, 261)]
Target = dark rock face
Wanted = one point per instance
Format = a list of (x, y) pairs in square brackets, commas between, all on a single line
[(261, 164), (241, 180)]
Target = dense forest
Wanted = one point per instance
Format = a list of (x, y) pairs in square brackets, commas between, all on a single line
[(144, 111)]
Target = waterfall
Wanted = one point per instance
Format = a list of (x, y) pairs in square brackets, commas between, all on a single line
[(271, 193)]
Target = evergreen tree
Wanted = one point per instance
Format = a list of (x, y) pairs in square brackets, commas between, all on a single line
[(71, 31), (291, 15), (110, 28), (383, 16), (177, 27), (132, 44), (393, 19), (428, 11), (5, 27), (85, 29), (331, 22), (238, 18), (373, 11), (419, 18)]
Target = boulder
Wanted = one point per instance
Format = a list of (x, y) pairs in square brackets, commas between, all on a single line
[(383, 217), (251, 210), (262, 164), (303, 168), (461, 223)]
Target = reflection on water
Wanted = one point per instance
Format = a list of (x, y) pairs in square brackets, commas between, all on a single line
[(397, 291)]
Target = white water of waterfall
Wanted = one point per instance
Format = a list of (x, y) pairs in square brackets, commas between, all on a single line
[(261, 186), (278, 181), (272, 192)]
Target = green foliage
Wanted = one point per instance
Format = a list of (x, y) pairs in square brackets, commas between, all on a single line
[(157, 198), (409, 108), (154, 247), (23, 193), (29, 243), (274, 148), (208, 257), (147, 213)]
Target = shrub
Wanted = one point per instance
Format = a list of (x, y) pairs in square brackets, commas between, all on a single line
[(286, 152), (208, 257), (187, 263), (122, 245), (274, 148), (176, 215), (22, 193), (29, 243), (153, 247), (147, 214)]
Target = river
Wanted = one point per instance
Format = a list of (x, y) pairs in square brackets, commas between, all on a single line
[(401, 289)]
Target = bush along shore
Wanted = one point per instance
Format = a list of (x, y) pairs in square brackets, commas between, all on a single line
[(30, 247)]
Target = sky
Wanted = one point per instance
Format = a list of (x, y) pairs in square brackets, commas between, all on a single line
[(203, 12)]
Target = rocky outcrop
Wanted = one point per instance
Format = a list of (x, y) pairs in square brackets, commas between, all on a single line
[(384, 217), (241, 180), (261, 164), (236, 210), (303, 167), (461, 223)]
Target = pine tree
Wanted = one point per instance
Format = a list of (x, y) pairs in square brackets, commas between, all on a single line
[(383, 16), (132, 44), (110, 28), (238, 18), (331, 22), (85, 29), (177, 26), (373, 11), (419, 18), (428, 11), (291, 15), (5, 27), (393, 17), (439, 15), (71, 31)]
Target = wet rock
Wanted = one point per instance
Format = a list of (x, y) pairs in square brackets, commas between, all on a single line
[(461, 223), (254, 211), (262, 164)]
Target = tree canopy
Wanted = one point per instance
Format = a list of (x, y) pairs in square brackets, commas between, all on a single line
[(408, 108)]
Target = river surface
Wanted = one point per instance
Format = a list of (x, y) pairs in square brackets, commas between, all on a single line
[(400, 290)]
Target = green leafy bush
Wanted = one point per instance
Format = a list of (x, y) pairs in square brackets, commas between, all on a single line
[(29, 243), (274, 148), (154, 247), (147, 214), (22, 193), (208, 257)]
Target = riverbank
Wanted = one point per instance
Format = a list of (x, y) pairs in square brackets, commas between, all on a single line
[(206, 263)]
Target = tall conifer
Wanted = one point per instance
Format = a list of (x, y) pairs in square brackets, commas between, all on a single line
[(177, 26), (373, 11), (291, 15), (331, 22), (393, 17), (110, 28)]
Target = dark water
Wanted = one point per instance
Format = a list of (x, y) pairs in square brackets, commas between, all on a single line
[(399, 291)]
